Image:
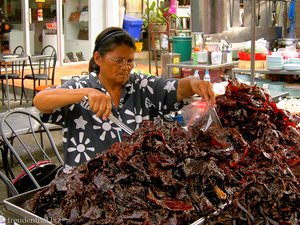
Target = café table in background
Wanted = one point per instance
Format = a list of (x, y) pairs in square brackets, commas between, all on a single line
[(7, 60)]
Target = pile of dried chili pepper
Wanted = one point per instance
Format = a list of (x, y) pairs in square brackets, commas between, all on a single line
[(264, 168), (163, 174)]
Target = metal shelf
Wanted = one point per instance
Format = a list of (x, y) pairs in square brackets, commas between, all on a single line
[(266, 71)]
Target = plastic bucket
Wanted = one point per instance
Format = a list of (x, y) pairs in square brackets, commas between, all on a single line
[(138, 46), (183, 46)]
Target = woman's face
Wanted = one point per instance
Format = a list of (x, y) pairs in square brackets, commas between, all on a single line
[(116, 65)]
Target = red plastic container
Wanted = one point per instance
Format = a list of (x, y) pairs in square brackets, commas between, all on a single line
[(247, 56)]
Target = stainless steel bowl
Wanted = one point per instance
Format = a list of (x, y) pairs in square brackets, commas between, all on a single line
[(283, 42)]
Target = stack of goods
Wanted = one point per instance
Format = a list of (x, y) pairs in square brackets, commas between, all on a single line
[(260, 53), (245, 60), (163, 174), (274, 62), (293, 64)]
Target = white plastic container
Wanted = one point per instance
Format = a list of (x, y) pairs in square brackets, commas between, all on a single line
[(216, 58), (202, 57)]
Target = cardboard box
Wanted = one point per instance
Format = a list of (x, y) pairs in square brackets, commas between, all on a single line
[(245, 64)]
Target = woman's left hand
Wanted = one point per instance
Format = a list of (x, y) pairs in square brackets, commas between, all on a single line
[(203, 89), (189, 86)]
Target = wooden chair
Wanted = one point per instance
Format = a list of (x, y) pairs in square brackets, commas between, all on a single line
[(42, 68), (33, 147)]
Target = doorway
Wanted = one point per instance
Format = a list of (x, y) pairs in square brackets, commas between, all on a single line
[(43, 21)]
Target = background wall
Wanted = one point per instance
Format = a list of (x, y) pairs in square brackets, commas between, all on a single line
[(297, 19)]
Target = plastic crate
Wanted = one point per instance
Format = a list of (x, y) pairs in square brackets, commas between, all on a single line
[(247, 56), (133, 26)]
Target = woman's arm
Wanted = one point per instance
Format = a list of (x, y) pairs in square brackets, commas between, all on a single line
[(50, 99), (189, 86)]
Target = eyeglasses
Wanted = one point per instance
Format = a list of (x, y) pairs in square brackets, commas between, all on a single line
[(122, 62)]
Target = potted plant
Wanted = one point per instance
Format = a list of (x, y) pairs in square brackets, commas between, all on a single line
[(157, 17), (154, 15)]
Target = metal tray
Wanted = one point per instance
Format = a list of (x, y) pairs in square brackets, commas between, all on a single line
[(201, 221), (14, 205)]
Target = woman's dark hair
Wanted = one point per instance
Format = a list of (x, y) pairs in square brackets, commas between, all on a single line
[(107, 41)]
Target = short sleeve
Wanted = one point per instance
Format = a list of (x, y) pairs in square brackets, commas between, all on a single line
[(57, 117), (161, 93)]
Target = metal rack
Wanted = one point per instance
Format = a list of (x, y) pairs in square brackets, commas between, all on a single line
[(151, 41), (253, 35), (152, 45), (158, 49)]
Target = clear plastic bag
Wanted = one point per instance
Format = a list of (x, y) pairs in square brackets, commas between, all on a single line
[(194, 111), (205, 127)]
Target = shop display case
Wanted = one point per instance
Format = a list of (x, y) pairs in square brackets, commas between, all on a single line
[(76, 23)]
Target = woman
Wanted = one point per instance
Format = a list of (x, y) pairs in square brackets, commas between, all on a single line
[(111, 88)]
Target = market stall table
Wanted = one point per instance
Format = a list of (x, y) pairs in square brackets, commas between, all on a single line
[(266, 71), (275, 94)]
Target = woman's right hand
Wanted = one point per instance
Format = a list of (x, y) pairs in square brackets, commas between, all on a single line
[(100, 103), (50, 99)]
